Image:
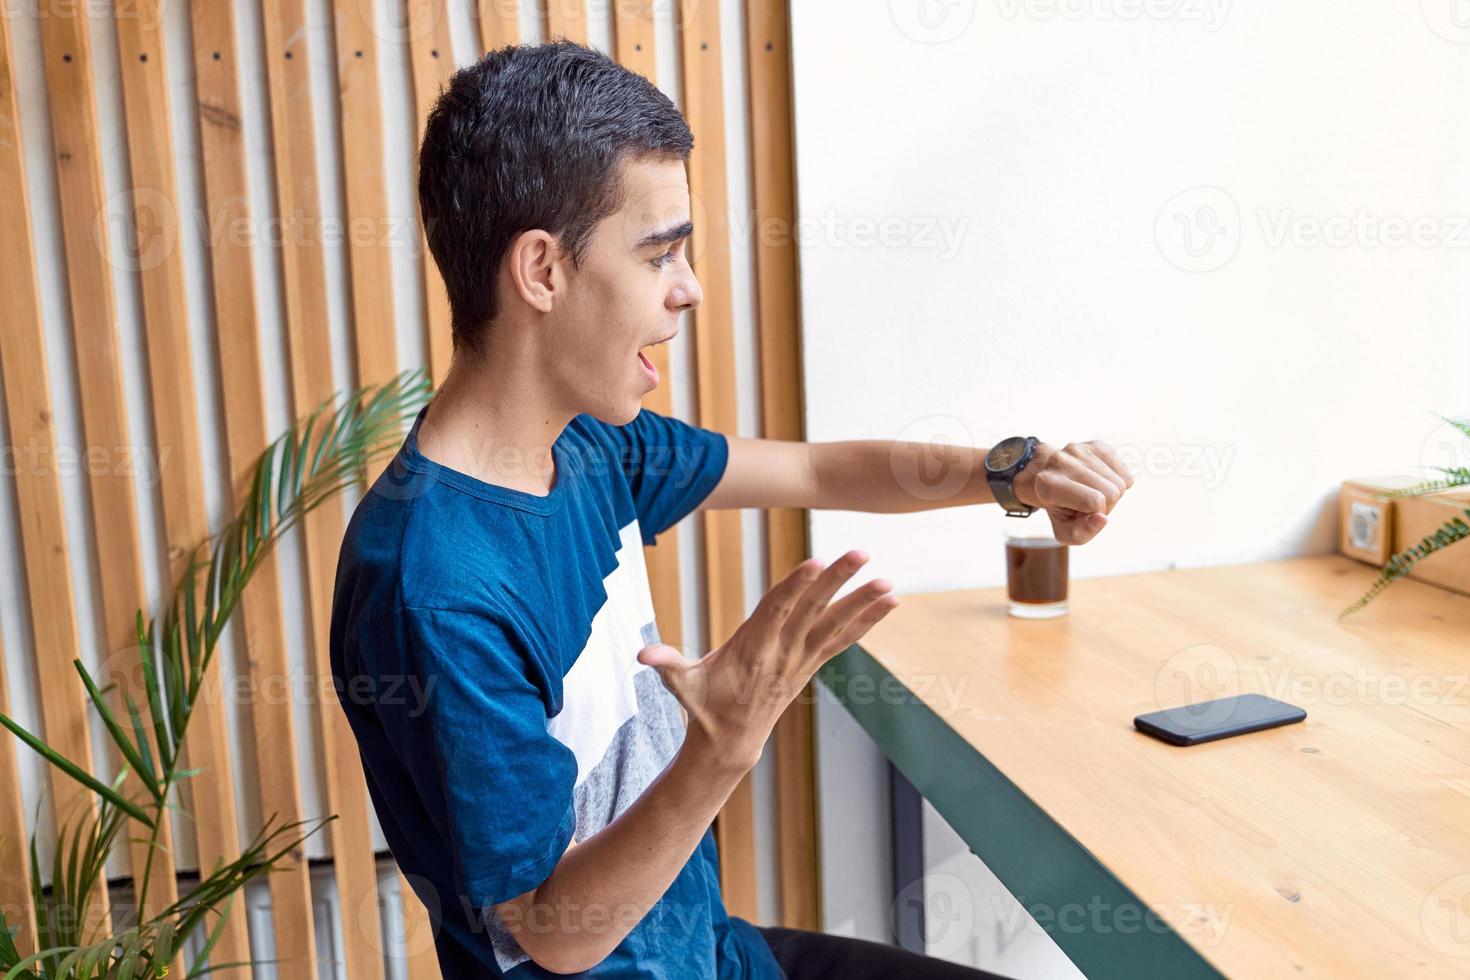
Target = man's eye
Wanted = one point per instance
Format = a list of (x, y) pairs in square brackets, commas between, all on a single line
[(666, 257)]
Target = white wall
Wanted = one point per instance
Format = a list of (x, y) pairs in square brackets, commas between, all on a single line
[(1037, 178)]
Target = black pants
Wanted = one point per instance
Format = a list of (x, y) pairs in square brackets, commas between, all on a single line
[(805, 955)]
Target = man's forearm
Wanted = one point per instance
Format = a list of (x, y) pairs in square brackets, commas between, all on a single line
[(603, 886), (888, 477)]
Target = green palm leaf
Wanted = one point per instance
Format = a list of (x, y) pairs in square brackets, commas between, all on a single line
[(316, 459)]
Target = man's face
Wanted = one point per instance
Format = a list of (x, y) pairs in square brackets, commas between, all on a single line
[(627, 295)]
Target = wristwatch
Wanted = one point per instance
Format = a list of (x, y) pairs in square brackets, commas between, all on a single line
[(1006, 459)]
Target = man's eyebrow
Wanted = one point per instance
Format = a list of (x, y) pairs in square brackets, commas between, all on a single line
[(666, 236)]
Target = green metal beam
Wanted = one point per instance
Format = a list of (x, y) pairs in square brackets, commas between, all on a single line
[(1104, 928)]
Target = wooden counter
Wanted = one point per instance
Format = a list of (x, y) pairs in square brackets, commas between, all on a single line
[(1336, 847)]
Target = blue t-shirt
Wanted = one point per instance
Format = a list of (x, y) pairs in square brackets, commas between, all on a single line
[(483, 645)]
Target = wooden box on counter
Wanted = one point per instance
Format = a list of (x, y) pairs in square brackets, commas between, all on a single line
[(1371, 528)]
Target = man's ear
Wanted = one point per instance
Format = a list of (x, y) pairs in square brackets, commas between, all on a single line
[(531, 261)]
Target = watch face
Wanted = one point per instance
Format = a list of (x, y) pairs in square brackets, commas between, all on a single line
[(1005, 454)]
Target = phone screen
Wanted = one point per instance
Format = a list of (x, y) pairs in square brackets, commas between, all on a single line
[(1206, 721)]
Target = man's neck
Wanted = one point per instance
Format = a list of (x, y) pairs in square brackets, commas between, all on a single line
[(492, 420)]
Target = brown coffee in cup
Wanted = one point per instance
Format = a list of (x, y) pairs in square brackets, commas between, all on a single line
[(1036, 577)]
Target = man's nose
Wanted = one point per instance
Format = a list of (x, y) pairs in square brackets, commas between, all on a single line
[(687, 294)]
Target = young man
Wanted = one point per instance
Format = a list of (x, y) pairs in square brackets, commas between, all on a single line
[(493, 638)]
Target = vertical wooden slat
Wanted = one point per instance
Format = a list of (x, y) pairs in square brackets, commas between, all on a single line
[(298, 204), (714, 336), (23, 373), (368, 223), (423, 965), (565, 19), (78, 156), (375, 343), (432, 60), (500, 23), (160, 267), (217, 99), (15, 892), (633, 40), (768, 57)]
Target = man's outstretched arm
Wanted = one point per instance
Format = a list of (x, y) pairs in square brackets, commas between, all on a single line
[(1077, 484)]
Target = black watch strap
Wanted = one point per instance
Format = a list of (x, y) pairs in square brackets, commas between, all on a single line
[(1000, 487)]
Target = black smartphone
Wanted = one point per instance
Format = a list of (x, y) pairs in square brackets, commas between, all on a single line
[(1206, 721)]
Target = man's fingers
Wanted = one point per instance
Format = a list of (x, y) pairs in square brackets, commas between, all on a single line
[(781, 598), (811, 603), (1111, 483), (1110, 456), (1058, 487), (841, 612), (857, 627)]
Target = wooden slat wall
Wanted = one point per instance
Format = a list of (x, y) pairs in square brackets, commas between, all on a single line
[(633, 45), (432, 58), (566, 19), (714, 337), (500, 23), (77, 148), (375, 344), (160, 262), (293, 134), (23, 374), (231, 263), (245, 383), (773, 171)]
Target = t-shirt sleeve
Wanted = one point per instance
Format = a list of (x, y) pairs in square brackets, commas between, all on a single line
[(475, 736), (671, 467)]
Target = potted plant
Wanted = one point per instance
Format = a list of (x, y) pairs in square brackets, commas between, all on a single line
[(1453, 530), (314, 461)]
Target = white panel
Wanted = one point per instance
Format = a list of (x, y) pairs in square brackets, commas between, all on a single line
[(993, 242)]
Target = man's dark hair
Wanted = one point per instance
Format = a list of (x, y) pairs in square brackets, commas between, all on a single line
[(531, 136)]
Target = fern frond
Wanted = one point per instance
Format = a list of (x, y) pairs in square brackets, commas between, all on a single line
[(1454, 529)]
